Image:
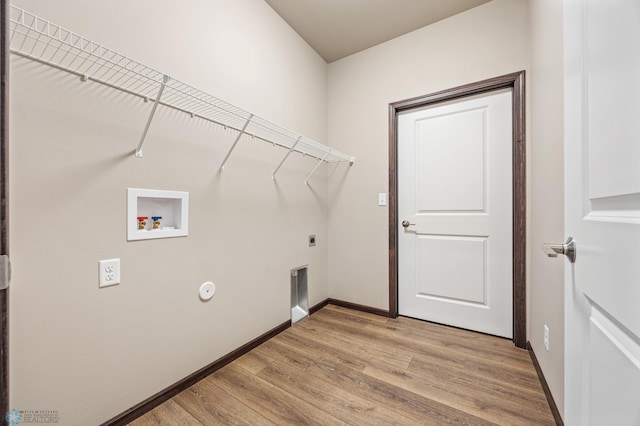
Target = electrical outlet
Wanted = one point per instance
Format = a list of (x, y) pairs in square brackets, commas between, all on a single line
[(546, 337), (109, 272)]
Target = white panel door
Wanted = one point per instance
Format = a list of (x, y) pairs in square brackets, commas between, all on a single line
[(602, 212), (455, 194)]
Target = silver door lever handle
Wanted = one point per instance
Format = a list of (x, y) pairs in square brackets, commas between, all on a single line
[(568, 249), (406, 224)]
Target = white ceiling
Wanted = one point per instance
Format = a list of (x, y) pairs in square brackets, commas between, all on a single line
[(339, 28)]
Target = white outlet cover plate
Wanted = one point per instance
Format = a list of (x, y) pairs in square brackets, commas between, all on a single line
[(207, 290), (382, 199), (546, 337), (108, 272)]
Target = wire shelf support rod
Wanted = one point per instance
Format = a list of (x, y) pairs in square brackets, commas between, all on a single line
[(165, 80), (242, 132), (273, 175)]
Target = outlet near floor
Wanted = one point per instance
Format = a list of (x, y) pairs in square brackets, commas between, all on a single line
[(109, 272), (546, 337)]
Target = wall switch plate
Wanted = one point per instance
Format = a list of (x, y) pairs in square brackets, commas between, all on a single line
[(312, 240), (546, 337), (382, 199), (109, 272)]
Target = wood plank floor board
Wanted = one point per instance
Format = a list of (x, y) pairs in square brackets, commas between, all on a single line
[(407, 329), (168, 414), (320, 349), (255, 360), (521, 400), (365, 315), (210, 404), (276, 404), (340, 323), (393, 355), (334, 371), (463, 394), (343, 323), (416, 408), (341, 367), (277, 351), (342, 403), (419, 340), (471, 343), (453, 334), (351, 352), (486, 368)]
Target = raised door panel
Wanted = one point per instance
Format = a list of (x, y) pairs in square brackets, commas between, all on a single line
[(452, 269), (451, 148)]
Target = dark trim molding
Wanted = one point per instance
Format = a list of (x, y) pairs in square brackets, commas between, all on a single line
[(545, 387), (361, 308), (316, 308), (168, 393), (4, 202), (516, 82)]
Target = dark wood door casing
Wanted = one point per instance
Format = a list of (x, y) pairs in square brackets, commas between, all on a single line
[(4, 203), (515, 82)]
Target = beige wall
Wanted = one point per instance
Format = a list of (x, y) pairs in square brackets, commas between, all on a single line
[(546, 294), (487, 41), (92, 353)]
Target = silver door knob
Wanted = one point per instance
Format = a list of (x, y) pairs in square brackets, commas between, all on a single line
[(406, 224), (568, 249)]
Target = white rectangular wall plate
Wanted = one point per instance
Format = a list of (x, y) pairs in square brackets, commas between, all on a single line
[(108, 272), (382, 199), (165, 213)]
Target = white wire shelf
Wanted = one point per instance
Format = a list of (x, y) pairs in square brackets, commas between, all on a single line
[(45, 42)]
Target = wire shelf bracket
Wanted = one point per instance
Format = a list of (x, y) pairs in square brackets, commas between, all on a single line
[(244, 129), (306, 181), (165, 79), (273, 175), (45, 42)]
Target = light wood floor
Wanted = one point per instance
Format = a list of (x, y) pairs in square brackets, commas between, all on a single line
[(344, 367)]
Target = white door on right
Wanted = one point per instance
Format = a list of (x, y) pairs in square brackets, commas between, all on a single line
[(602, 212)]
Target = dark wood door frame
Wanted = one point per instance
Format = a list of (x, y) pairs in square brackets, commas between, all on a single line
[(515, 82), (4, 203)]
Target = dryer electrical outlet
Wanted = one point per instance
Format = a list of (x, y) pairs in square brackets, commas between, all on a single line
[(109, 272)]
